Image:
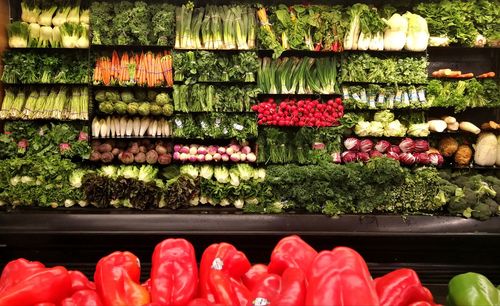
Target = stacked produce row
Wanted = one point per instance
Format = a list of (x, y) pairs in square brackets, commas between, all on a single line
[(187, 86)]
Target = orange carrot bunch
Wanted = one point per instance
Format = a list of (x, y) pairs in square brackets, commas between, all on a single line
[(144, 69)]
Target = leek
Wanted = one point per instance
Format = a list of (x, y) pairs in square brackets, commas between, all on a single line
[(8, 100), (18, 34), (45, 17), (30, 105)]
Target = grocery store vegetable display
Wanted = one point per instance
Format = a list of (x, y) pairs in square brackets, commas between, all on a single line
[(296, 274), (384, 69), (54, 25), (57, 103), (142, 69), (214, 98), (215, 27), (29, 67), (205, 66), (305, 112), (132, 23), (293, 75), (134, 102)]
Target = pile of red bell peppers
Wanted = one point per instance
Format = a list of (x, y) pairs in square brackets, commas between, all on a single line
[(296, 275)]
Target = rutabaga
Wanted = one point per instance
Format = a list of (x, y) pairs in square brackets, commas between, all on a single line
[(417, 37), (395, 34)]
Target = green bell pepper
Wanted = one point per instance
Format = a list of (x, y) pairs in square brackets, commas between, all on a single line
[(472, 289)]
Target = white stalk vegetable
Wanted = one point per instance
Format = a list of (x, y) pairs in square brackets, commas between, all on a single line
[(96, 127), (45, 17), (136, 127), (29, 11), (123, 126), (144, 126), (74, 14), (45, 37), (61, 16), (84, 16)]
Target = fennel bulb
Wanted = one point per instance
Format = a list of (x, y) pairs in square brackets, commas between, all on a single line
[(45, 37), (29, 12), (61, 16), (18, 34), (34, 36), (55, 41), (85, 16), (395, 34), (45, 17), (417, 37)]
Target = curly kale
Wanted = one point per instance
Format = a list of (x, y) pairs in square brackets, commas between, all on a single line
[(163, 24), (101, 19)]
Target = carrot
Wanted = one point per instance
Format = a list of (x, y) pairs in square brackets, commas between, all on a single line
[(106, 70), (490, 74), (170, 72), (115, 64), (466, 75), (159, 76)]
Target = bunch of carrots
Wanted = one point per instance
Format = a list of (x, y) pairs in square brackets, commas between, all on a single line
[(457, 74), (144, 69)]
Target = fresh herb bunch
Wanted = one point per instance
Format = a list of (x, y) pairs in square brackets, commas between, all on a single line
[(289, 75), (132, 23), (391, 69), (209, 98), (33, 67), (205, 66), (216, 125)]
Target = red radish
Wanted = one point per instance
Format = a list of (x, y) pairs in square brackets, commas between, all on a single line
[(192, 158), (225, 157), (251, 157), (212, 150), (177, 148)]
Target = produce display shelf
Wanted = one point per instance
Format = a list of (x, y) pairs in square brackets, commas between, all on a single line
[(130, 47), (49, 50), (462, 48), (299, 53), (44, 120), (210, 221), (215, 50), (171, 138), (386, 52)]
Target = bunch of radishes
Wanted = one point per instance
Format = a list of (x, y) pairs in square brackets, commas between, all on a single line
[(306, 112), (127, 153), (198, 153), (408, 151)]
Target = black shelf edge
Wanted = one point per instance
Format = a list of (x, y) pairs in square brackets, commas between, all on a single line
[(203, 222), (45, 84), (130, 87), (310, 95), (222, 83), (130, 47), (381, 83)]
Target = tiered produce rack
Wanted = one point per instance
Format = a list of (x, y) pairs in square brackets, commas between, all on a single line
[(438, 247)]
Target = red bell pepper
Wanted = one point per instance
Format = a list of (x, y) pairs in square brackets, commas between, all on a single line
[(293, 288), (266, 290), (80, 282), (340, 277), (85, 297), (243, 294), (291, 252), (18, 270), (251, 277), (147, 284), (48, 285), (117, 280), (45, 304), (400, 288), (174, 273), (200, 302), (219, 264)]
